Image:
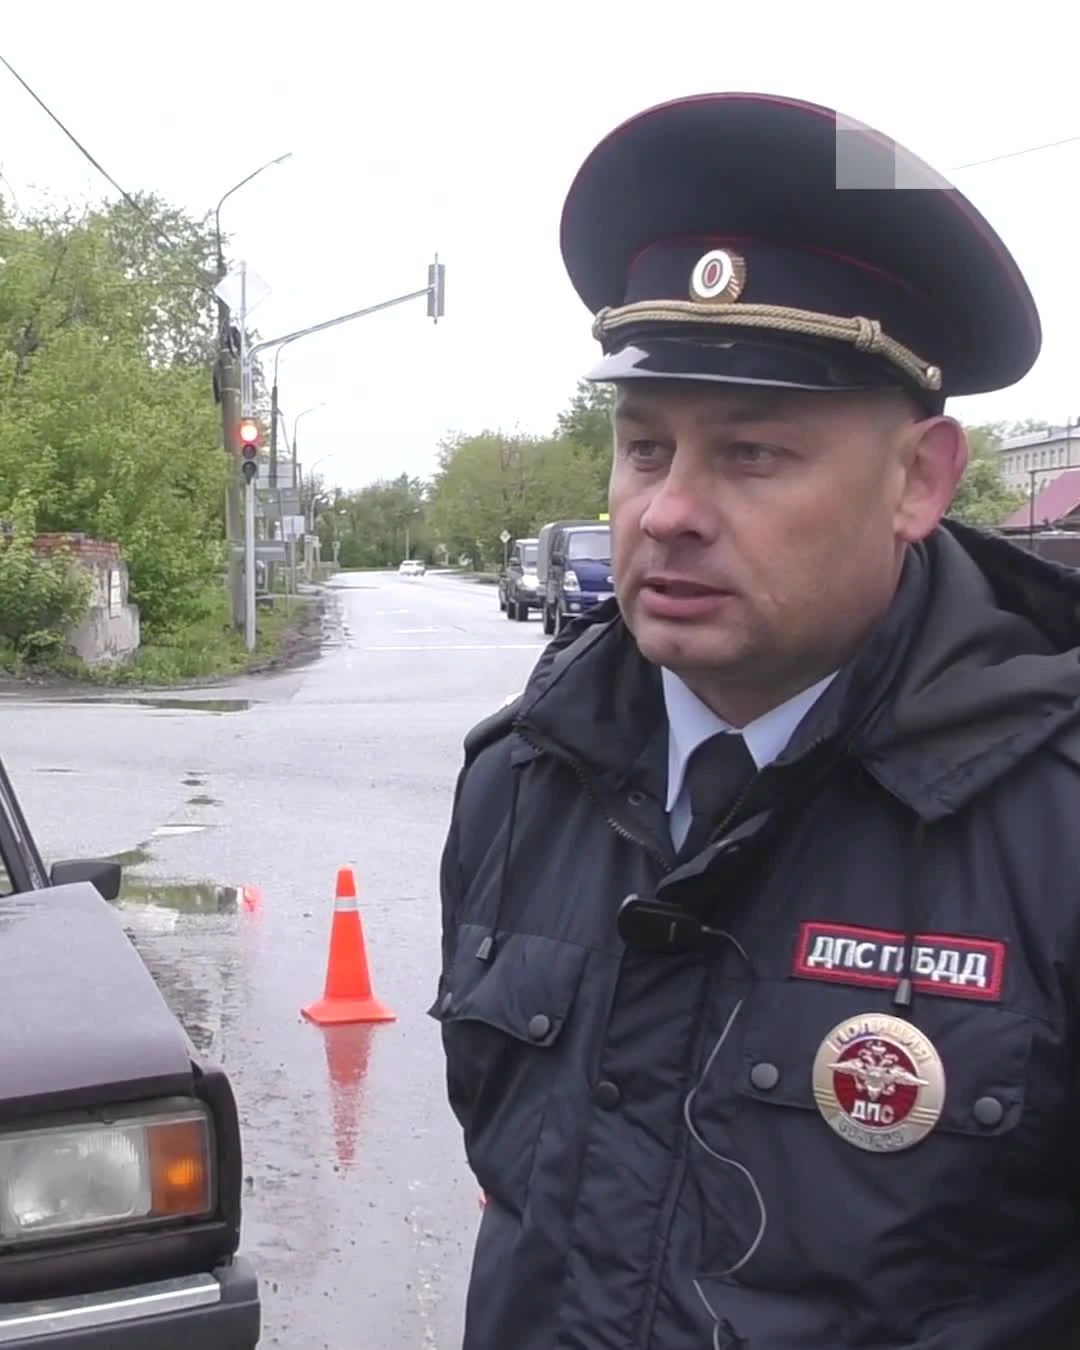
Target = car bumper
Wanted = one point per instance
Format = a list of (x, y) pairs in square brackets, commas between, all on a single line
[(577, 602), (528, 596), (216, 1312)]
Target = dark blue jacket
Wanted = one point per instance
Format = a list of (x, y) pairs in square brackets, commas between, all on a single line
[(660, 1170)]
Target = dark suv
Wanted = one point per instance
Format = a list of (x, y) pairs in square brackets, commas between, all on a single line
[(578, 575), (120, 1165), (520, 589)]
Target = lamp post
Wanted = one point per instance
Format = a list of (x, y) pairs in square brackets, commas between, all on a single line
[(225, 197), (296, 422)]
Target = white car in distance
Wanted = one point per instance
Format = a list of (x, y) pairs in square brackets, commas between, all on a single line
[(411, 567)]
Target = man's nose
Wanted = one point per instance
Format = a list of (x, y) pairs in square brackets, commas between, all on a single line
[(680, 504)]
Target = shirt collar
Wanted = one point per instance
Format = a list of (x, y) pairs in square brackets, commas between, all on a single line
[(690, 722)]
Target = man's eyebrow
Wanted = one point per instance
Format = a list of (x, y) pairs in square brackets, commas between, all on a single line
[(643, 412)]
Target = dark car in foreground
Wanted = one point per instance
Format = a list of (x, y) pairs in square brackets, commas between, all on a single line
[(120, 1162)]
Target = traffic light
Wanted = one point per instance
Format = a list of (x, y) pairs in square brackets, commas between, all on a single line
[(436, 296), (249, 448)]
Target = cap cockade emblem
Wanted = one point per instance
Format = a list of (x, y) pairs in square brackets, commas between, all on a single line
[(718, 277)]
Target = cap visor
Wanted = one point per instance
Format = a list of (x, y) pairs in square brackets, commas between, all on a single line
[(780, 365)]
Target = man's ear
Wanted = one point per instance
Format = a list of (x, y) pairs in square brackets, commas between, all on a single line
[(934, 457)]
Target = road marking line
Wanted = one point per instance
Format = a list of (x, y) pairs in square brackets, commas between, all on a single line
[(462, 647)]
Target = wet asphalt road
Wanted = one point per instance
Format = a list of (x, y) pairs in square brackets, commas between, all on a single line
[(359, 1212)]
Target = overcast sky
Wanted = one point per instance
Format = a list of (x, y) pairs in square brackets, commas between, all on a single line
[(457, 128)]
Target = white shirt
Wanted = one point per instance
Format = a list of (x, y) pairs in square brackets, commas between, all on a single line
[(690, 722)]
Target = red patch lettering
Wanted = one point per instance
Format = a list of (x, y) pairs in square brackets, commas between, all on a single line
[(954, 967)]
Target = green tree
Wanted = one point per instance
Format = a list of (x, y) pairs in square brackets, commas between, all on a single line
[(586, 423), (982, 497), (107, 421), (377, 525), (492, 481)]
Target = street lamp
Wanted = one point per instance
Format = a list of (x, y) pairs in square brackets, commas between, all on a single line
[(311, 488), (274, 411), (296, 422), (236, 188)]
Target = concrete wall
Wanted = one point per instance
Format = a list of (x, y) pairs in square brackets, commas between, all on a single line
[(109, 632)]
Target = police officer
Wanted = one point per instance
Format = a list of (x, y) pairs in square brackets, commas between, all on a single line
[(761, 905)]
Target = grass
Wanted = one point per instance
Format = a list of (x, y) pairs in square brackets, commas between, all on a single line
[(209, 649), (204, 650)]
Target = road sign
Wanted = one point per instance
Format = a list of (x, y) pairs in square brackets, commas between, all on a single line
[(234, 288), (277, 502), (504, 538)]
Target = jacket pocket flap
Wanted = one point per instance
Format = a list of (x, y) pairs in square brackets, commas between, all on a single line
[(983, 1053), (526, 991)]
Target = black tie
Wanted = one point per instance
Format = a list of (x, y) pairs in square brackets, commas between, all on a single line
[(717, 773)]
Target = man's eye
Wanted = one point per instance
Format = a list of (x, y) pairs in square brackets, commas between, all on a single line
[(753, 455), (644, 453)]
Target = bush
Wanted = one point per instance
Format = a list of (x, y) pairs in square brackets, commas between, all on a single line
[(40, 597)]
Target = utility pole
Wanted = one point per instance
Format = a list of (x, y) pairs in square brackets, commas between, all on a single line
[(229, 393), (230, 374), (250, 631)]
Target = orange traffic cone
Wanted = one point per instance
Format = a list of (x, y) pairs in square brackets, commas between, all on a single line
[(348, 996)]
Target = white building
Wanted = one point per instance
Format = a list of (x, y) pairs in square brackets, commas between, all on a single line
[(1048, 453)]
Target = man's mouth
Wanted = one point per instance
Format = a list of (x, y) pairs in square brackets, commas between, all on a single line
[(681, 587)]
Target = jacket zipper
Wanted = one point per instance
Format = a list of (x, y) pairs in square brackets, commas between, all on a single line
[(738, 804), (545, 746)]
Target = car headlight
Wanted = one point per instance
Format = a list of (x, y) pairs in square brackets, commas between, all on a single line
[(570, 581), (67, 1179)]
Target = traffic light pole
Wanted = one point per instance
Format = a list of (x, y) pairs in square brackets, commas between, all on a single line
[(435, 292), (250, 631), (250, 473), (229, 390)]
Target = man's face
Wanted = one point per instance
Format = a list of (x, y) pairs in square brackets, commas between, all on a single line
[(757, 535)]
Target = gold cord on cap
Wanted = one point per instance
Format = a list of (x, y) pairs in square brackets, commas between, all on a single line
[(864, 335)]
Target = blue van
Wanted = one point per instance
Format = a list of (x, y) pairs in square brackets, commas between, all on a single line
[(578, 573)]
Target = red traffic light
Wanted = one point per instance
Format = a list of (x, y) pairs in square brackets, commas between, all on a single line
[(249, 436)]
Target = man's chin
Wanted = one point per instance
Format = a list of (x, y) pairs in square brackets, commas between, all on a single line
[(682, 646)]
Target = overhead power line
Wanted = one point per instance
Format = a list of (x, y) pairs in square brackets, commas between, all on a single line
[(1015, 154), (71, 136), (128, 198)]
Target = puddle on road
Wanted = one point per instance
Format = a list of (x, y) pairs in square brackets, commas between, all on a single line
[(187, 897), (56, 770), (133, 857)]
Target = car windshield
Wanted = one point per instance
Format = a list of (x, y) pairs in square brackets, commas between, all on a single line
[(528, 555), (590, 545)]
